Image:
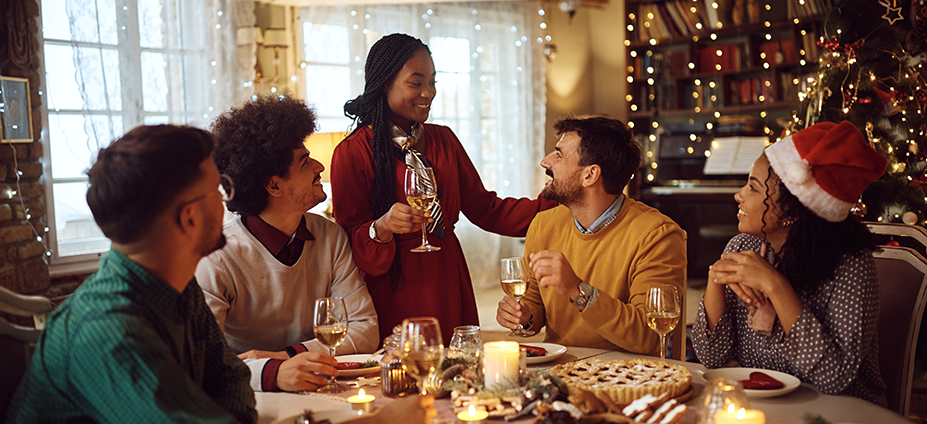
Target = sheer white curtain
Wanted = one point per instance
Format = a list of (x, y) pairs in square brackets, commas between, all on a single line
[(491, 91), (114, 64)]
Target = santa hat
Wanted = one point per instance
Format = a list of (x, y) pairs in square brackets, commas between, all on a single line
[(826, 166)]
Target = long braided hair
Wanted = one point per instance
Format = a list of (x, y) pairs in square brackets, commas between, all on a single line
[(814, 246), (385, 59)]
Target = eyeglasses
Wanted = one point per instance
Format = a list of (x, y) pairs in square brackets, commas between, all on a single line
[(226, 190)]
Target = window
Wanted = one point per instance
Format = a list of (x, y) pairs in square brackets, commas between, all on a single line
[(111, 65)]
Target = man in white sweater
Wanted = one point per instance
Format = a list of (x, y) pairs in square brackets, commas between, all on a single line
[(262, 285)]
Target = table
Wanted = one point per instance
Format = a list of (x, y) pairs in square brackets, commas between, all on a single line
[(788, 409)]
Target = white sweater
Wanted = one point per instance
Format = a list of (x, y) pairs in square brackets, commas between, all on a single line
[(262, 304)]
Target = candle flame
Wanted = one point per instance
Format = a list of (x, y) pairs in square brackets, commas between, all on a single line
[(361, 394), (472, 410), (730, 409), (741, 414)]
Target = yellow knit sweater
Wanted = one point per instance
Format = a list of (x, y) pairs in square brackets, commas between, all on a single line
[(639, 248)]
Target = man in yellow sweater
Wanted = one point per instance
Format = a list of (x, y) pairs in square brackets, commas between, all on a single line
[(594, 256)]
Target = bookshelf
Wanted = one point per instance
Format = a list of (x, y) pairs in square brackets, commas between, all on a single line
[(702, 69)]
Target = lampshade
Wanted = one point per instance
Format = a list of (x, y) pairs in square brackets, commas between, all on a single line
[(321, 146), (275, 37)]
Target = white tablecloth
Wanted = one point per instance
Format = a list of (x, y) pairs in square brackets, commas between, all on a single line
[(276, 408)]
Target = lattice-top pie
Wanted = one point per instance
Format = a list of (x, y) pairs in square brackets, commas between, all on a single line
[(624, 380)]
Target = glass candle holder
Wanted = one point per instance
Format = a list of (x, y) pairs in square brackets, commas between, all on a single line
[(721, 395)]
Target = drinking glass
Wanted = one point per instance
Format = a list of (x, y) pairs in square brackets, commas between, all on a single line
[(421, 194), (662, 312), (422, 348), (331, 327), (515, 284)]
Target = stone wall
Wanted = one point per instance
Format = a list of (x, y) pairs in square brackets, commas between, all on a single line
[(23, 266)]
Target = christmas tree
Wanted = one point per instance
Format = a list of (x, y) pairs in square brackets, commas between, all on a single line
[(871, 72)]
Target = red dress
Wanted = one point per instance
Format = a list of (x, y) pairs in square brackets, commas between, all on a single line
[(437, 284)]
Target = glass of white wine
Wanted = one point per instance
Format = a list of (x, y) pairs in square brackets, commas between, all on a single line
[(331, 327), (662, 311), (515, 284), (422, 348), (421, 194)]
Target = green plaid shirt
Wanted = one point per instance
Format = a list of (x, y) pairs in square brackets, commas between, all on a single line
[(126, 348)]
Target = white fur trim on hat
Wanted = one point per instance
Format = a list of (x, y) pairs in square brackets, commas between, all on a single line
[(799, 179)]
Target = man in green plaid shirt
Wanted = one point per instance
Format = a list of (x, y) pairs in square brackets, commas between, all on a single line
[(136, 342)]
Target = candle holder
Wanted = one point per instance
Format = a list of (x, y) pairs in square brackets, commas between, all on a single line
[(721, 395), (472, 414), (362, 402), (740, 416)]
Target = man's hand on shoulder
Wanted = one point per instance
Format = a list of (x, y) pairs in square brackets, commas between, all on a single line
[(551, 269), (261, 354), (302, 372)]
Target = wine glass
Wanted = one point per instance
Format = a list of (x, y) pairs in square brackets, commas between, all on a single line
[(662, 311), (515, 284), (422, 348), (421, 194), (331, 327)]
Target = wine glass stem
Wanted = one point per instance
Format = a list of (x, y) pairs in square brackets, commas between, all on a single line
[(421, 385), (424, 234), (663, 347), (331, 379)]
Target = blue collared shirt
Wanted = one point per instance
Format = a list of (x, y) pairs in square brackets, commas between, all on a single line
[(606, 218)]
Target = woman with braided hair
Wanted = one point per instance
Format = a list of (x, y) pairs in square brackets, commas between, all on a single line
[(368, 170)]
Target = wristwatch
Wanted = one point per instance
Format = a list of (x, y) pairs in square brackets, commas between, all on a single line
[(373, 233), (583, 297)]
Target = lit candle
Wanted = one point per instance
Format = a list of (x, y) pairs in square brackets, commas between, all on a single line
[(500, 364), (472, 414), (362, 402), (742, 416)]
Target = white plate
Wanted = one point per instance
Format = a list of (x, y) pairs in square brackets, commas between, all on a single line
[(791, 383), (553, 352), (360, 357), (334, 415)]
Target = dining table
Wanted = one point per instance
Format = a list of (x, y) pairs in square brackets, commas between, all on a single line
[(790, 408)]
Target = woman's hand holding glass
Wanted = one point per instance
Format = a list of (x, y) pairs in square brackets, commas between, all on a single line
[(400, 219)]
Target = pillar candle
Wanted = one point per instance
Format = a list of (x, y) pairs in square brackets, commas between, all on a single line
[(500, 364)]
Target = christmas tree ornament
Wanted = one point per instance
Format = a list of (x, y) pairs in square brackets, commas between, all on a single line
[(892, 13), (909, 218), (859, 210), (891, 108)]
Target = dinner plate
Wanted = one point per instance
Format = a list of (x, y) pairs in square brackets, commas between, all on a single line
[(334, 415), (791, 383), (360, 357), (553, 352)]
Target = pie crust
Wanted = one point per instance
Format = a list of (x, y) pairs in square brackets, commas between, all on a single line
[(624, 380)]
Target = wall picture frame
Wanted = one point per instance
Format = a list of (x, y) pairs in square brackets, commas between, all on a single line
[(15, 110)]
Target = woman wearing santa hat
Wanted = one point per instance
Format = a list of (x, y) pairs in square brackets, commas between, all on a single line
[(797, 290)]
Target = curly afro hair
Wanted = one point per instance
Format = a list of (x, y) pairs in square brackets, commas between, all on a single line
[(255, 141)]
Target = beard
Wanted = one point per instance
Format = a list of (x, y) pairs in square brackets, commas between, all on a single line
[(565, 192), (213, 241)]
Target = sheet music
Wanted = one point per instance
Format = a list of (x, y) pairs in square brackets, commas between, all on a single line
[(733, 155)]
